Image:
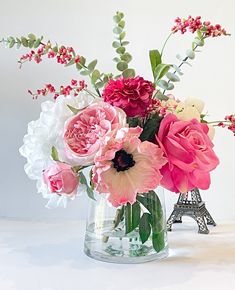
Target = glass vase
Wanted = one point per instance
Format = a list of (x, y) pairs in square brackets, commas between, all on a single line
[(127, 234)]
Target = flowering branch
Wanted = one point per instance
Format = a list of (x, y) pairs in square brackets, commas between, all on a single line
[(228, 122), (64, 55), (74, 88)]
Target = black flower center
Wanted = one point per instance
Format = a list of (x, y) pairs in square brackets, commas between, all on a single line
[(123, 161)]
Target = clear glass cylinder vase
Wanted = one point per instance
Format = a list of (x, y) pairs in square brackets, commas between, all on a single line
[(127, 234)]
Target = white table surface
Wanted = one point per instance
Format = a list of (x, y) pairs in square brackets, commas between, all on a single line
[(46, 255)]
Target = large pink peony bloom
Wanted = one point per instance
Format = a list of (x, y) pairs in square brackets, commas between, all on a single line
[(85, 131), (125, 166), (61, 179), (190, 154), (133, 95)]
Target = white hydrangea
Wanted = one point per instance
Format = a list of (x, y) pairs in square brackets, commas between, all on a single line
[(44, 133)]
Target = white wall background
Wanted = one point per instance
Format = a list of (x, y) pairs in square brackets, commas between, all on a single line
[(87, 26)]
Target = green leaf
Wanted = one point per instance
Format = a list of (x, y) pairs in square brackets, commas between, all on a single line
[(83, 180), (116, 44), (11, 43), (126, 57), (144, 227), (32, 36), (158, 239), (163, 84), (128, 73), (120, 50), (116, 59), (31, 43), (179, 57), (177, 69), (71, 62), (37, 43), (99, 85), (172, 77), (95, 76), (120, 14), (152, 203), (117, 30), (133, 122), (199, 33), (121, 66), (54, 154), (128, 218), (73, 110), (151, 127), (116, 18), (155, 59), (121, 24), (85, 72), (161, 70), (170, 86), (190, 53), (198, 41), (91, 65), (122, 35), (81, 63), (119, 216), (18, 43), (55, 49), (159, 95), (24, 41), (135, 215), (124, 43)]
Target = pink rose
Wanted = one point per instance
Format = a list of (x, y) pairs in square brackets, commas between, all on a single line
[(133, 95), (60, 178), (85, 131), (190, 154)]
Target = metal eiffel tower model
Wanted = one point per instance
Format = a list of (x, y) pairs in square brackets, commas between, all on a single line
[(193, 207)]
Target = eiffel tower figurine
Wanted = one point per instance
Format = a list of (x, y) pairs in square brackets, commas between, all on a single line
[(194, 208)]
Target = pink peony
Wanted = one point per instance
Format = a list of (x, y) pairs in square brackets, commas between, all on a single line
[(133, 95), (85, 131), (61, 179), (125, 166), (188, 149)]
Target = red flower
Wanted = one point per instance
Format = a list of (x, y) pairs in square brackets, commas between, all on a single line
[(133, 95)]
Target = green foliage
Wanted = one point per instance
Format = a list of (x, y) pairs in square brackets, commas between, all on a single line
[(155, 59), (145, 227), (152, 203), (54, 154), (83, 180), (73, 110), (122, 65), (150, 129), (172, 77), (120, 47), (161, 70), (128, 73)]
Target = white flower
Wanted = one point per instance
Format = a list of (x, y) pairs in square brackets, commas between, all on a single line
[(44, 133)]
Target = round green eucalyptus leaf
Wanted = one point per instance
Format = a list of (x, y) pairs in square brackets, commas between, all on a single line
[(120, 50), (116, 44), (173, 77), (117, 30), (122, 65), (126, 57), (128, 73), (121, 24), (116, 18)]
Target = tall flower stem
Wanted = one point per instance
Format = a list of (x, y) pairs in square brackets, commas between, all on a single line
[(164, 44)]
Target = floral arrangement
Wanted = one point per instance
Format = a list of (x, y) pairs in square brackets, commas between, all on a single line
[(132, 134)]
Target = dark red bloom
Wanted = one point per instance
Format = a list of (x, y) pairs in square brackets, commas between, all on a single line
[(133, 95)]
